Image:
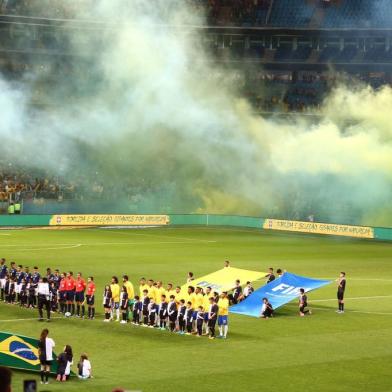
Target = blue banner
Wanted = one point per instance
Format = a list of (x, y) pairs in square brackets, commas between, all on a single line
[(279, 292)]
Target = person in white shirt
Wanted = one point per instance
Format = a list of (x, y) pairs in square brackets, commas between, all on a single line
[(43, 292), (248, 290), (45, 352), (84, 367)]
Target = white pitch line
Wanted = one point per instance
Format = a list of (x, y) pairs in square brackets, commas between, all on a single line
[(26, 319), (355, 311), (143, 243), (56, 248), (352, 298), (72, 246), (157, 235)]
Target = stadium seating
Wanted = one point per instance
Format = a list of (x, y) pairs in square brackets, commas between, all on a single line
[(348, 13), (291, 13)]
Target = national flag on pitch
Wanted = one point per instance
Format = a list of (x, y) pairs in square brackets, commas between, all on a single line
[(224, 279), (279, 292), (21, 352)]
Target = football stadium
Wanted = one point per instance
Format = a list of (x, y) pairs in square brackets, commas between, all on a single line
[(195, 195)]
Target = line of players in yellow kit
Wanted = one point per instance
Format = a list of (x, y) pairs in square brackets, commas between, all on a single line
[(194, 310)]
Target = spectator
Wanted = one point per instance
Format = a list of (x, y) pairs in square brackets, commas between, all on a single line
[(84, 367), (5, 379)]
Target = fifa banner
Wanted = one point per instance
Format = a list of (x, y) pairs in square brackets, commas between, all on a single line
[(279, 292), (319, 228), (224, 279), (21, 352), (109, 220)]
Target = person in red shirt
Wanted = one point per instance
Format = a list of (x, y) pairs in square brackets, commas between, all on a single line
[(62, 293), (90, 297), (80, 288), (70, 287)]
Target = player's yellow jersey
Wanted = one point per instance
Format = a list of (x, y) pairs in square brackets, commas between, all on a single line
[(169, 293), (115, 288), (130, 290), (192, 298), (223, 304), (199, 300), (159, 292), (152, 292), (143, 287), (206, 301), (181, 295)]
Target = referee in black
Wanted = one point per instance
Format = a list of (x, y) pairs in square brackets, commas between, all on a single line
[(341, 281), (43, 298)]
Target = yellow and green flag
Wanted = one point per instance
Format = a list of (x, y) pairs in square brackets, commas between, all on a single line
[(224, 279), (20, 352)]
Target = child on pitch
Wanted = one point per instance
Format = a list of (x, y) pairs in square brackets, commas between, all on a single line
[(137, 310), (188, 318), (107, 302), (181, 317), (223, 315), (124, 304), (53, 297), (84, 367), (172, 313), (145, 302), (198, 301), (199, 321), (266, 309), (152, 313), (23, 293), (163, 312), (212, 316), (303, 303), (206, 304)]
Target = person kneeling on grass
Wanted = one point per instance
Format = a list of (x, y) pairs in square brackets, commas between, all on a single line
[(303, 303), (84, 367), (266, 310), (64, 362)]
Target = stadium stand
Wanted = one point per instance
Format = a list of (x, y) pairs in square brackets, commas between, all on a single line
[(291, 13), (294, 44)]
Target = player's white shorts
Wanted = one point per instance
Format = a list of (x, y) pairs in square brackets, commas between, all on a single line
[(2, 283), (18, 287)]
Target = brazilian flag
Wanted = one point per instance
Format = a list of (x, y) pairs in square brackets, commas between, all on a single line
[(21, 352)]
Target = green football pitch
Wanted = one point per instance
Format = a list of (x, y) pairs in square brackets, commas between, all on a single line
[(323, 352)]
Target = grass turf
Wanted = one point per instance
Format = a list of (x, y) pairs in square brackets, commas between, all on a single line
[(324, 352)]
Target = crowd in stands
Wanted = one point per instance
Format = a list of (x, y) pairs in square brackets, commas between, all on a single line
[(15, 181)]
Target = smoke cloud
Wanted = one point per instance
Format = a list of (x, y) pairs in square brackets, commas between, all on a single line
[(142, 110)]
